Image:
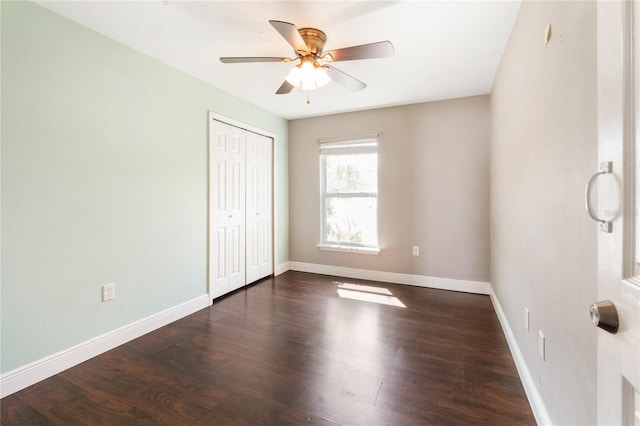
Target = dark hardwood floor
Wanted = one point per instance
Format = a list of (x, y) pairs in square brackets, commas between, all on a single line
[(290, 351)]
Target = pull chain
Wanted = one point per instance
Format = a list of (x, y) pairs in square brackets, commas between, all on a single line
[(308, 99)]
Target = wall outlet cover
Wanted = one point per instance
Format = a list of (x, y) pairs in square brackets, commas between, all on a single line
[(108, 292)]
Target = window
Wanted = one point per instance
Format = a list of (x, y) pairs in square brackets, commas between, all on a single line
[(349, 191)]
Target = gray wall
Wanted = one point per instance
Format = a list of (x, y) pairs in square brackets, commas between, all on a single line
[(104, 179), (543, 246), (433, 188)]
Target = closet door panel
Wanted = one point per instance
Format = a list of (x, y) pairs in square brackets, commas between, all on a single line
[(266, 208), (227, 210), (236, 207), (218, 211), (259, 222)]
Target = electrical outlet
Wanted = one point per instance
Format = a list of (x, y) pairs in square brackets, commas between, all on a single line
[(416, 251), (108, 292), (527, 318), (541, 344)]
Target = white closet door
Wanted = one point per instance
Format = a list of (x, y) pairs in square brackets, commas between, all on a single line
[(227, 208), (259, 208)]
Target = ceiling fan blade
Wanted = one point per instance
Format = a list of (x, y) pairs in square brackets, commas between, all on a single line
[(344, 79), (243, 59), (285, 88), (291, 34), (381, 49)]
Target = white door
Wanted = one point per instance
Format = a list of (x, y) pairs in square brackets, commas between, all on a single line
[(227, 208), (618, 200), (259, 210)]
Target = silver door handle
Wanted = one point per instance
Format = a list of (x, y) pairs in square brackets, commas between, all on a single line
[(605, 316), (605, 225)]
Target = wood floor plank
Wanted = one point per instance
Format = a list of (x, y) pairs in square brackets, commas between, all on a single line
[(49, 393), (290, 351), (156, 373), (167, 404), (14, 411), (344, 409)]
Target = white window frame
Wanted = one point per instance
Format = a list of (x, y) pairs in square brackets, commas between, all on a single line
[(350, 146)]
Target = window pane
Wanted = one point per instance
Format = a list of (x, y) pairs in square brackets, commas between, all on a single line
[(352, 220), (352, 173)]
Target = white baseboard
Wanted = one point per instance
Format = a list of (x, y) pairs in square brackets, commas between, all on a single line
[(34, 372), (535, 400), (394, 277), (281, 269)]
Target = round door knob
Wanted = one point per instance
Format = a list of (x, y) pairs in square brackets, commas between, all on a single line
[(605, 316)]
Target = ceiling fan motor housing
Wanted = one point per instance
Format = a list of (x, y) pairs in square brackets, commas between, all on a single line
[(314, 39)]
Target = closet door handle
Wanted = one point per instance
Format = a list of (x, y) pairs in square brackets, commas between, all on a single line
[(605, 168)]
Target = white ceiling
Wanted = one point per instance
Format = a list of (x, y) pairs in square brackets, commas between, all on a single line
[(443, 49)]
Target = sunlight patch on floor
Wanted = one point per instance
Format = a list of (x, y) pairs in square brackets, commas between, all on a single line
[(367, 288), (365, 293)]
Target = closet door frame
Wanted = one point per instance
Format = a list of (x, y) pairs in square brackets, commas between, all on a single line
[(210, 224)]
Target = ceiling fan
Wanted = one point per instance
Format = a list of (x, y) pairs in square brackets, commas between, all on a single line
[(313, 71)]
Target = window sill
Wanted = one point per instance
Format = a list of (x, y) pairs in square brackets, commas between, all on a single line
[(349, 249)]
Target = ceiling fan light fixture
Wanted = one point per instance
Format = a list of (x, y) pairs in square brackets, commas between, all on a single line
[(321, 76), (295, 76), (308, 76), (308, 45)]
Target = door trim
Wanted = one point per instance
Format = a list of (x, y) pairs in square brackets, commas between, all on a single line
[(629, 144)]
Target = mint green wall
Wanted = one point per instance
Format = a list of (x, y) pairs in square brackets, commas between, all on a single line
[(104, 179)]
